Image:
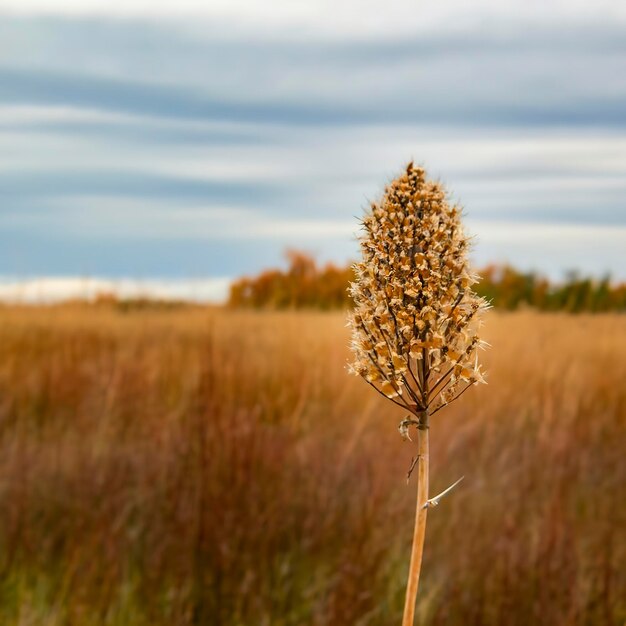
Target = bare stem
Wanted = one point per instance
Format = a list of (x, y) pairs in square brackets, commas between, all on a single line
[(419, 531)]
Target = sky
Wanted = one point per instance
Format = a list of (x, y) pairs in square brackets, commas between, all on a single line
[(182, 144)]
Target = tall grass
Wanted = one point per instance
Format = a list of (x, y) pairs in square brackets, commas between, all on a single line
[(209, 467)]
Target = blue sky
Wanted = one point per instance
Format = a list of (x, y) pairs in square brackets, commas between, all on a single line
[(187, 140)]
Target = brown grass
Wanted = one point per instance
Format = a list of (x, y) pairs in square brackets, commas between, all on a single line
[(220, 468)]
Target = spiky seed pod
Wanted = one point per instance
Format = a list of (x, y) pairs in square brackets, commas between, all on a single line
[(416, 319)]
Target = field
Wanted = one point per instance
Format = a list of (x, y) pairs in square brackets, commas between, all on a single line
[(200, 466)]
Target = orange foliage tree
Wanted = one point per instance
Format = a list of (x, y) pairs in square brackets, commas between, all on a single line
[(305, 284)]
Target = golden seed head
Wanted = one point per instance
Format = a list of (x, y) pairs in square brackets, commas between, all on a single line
[(416, 316)]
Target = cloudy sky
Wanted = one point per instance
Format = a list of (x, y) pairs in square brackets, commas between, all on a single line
[(190, 140)]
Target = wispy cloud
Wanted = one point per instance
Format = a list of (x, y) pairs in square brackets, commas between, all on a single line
[(48, 290), (157, 146), (355, 19)]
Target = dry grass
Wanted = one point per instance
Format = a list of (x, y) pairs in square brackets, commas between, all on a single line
[(208, 467)]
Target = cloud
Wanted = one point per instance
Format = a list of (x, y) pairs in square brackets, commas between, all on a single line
[(552, 249), (175, 147), (325, 18), (16, 187), (546, 175), (98, 218), (48, 290), (485, 76)]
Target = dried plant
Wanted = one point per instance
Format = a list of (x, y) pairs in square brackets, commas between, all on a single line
[(416, 319)]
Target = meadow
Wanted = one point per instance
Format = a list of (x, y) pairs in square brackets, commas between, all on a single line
[(214, 467)]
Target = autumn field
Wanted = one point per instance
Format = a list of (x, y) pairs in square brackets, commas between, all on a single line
[(206, 466)]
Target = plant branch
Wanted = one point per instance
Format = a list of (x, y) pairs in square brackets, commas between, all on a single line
[(432, 391), (400, 404), (453, 399), (435, 501)]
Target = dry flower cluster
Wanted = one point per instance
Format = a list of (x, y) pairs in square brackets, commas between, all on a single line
[(416, 317)]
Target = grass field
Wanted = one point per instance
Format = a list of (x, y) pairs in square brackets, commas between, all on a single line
[(199, 466)]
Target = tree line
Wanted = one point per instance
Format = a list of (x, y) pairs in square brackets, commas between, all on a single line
[(306, 284)]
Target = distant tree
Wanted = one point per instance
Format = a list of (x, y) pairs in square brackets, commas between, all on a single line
[(305, 284)]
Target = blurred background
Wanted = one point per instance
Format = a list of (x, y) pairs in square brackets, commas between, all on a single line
[(168, 461), (184, 144)]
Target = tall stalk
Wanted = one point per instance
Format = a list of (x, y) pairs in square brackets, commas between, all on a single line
[(419, 531), (415, 320)]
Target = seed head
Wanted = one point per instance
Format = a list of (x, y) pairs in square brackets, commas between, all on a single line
[(415, 321)]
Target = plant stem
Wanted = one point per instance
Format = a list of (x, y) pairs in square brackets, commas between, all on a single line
[(419, 531)]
